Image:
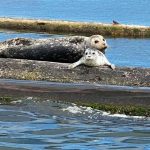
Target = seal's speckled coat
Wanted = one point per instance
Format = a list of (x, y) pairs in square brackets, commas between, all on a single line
[(64, 49)]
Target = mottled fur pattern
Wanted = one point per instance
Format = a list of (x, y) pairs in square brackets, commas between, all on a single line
[(96, 42)]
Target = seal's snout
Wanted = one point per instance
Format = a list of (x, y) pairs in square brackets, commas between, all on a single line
[(105, 46), (88, 56)]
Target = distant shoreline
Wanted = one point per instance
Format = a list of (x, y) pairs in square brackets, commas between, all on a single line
[(72, 27)]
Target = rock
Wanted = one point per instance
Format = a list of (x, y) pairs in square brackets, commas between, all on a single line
[(59, 72)]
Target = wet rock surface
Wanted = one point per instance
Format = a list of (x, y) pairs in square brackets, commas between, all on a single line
[(51, 71)]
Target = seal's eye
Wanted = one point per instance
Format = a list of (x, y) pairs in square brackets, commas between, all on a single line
[(96, 41), (86, 53), (93, 53), (103, 39)]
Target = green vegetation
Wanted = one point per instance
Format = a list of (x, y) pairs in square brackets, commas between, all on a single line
[(5, 100), (120, 109), (83, 28), (111, 108)]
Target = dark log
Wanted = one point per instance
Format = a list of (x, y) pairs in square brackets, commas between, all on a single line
[(59, 72)]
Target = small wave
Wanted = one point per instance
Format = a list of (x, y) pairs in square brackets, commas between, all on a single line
[(126, 116), (16, 102), (78, 109), (74, 109)]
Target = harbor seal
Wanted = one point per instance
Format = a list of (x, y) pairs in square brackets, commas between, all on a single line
[(93, 58), (96, 42), (67, 49)]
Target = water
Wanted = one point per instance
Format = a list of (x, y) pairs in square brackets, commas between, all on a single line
[(124, 11), (36, 124), (121, 51), (129, 52), (5, 35)]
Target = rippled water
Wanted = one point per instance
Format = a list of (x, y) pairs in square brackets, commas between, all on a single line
[(31, 124), (129, 52), (36, 124), (44, 124), (124, 11)]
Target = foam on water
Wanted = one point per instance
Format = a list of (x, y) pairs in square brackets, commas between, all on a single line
[(78, 109), (84, 110)]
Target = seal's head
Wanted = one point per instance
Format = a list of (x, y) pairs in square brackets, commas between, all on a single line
[(98, 42)]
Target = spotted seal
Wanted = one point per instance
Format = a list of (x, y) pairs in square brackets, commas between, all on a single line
[(93, 57), (96, 42), (67, 49)]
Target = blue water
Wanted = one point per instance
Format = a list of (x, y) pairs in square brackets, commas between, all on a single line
[(31, 124), (37, 124), (6, 35), (124, 11), (129, 52)]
